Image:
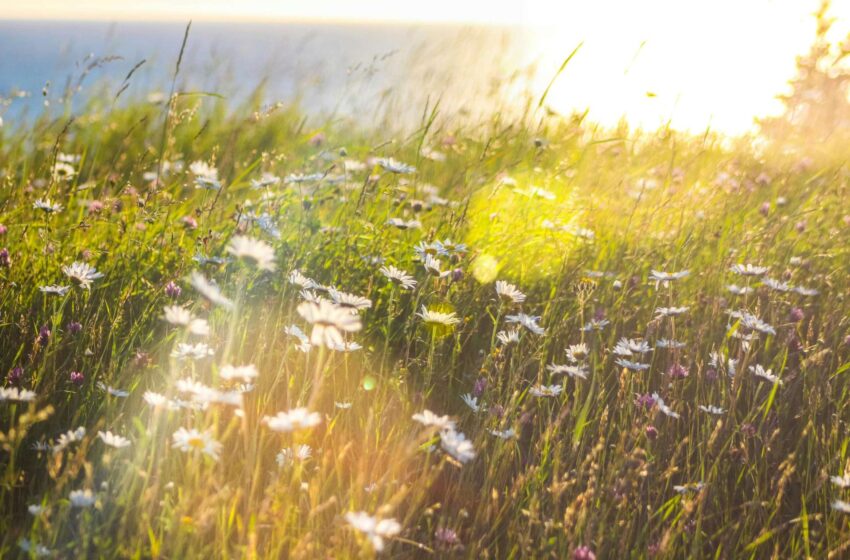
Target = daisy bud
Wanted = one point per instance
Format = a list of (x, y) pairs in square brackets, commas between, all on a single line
[(77, 377)]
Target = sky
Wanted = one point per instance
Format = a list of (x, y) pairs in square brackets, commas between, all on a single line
[(696, 63)]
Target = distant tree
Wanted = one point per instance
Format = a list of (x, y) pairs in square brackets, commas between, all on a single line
[(817, 109)]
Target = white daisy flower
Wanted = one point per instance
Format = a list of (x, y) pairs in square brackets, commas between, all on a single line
[(576, 371), (749, 269), (503, 434), (47, 206), (82, 498), (509, 293), (401, 223), (629, 347), (113, 440), (662, 406), (472, 403), (666, 277), (432, 267), (349, 301), (669, 343), (508, 337), (290, 421), (577, 352), (711, 409), (546, 390), (243, 373), (841, 481), (15, 394), (595, 325), (55, 290), (188, 441), (329, 322), (68, 438), (209, 290), (180, 316), (375, 530), (399, 277), (438, 318), (456, 445), (630, 365), (303, 342), (112, 390), (258, 252), (670, 311), (393, 166), (82, 273), (289, 455), (776, 285), (805, 291), (529, 322), (765, 374), (840, 505), (428, 418), (739, 290), (185, 351)]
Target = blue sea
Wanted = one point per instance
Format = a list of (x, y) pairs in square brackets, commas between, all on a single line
[(364, 71)]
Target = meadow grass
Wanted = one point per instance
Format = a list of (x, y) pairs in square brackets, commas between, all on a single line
[(575, 217)]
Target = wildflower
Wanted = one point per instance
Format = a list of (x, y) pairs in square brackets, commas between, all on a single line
[(245, 373), (75, 327), (295, 332), (349, 301), (509, 293), (527, 321), (677, 371), (342, 405), (63, 171), (666, 277), (796, 314), (35, 549), (5, 259), (295, 277), (432, 267), (841, 481), (177, 315), (44, 335), (840, 505), (456, 445), (112, 390), (47, 206), (55, 290), (765, 374), (577, 371), (577, 352), (686, 488), (670, 311), (504, 434), (751, 322), (428, 418), (711, 409), (260, 253), (805, 291), (77, 377), (82, 273), (628, 364), (479, 387), (506, 338), (583, 553), (546, 390), (289, 455), (393, 166), (203, 395), (172, 290), (15, 376), (398, 277), (438, 318), (446, 537), (69, 437), (776, 285), (662, 406), (595, 325), (295, 419), (404, 224), (329, 322), (15, 394), (739, 290), (472, 402), (193, 440), (374, 529), (669, 343), (82, 498), (36, 509), (198, 351), (749, 269), (629, 347), (113, 440), (209, 290)]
